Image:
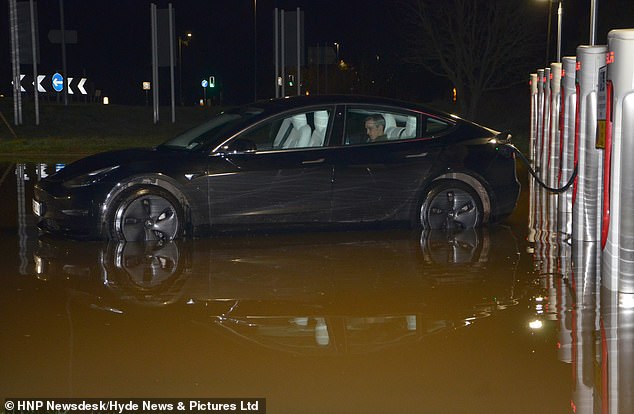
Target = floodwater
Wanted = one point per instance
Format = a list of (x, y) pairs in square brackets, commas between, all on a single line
[(504, 319)]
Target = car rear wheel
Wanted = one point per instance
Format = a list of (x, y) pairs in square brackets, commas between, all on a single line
[(146, 214), (451, 205)]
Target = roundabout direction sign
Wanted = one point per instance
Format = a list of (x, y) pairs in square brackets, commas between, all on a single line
[(58, 82), (53, 83)]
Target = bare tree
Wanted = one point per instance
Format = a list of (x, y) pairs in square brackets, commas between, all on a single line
[(479, 45)]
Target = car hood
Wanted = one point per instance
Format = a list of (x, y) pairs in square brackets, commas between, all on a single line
[(110, 159)]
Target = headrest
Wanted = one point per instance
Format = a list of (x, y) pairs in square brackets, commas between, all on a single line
[(321, 119), (299, 121), (390, 121)]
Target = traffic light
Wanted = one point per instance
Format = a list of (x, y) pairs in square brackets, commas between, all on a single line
[(291, 80), (212, 81)]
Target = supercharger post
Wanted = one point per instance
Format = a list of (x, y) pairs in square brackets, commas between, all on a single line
[(548, 199), (553, 130), (545, 127), (552, 151), (534, 105), (537, 156), (618, 213), (532, 148), (540, 120), (586, 209), (567, 143)]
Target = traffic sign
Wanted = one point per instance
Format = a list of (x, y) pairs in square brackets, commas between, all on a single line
[(53, 83), (204, 83), (80, 86), (40, 78), (58, 82)]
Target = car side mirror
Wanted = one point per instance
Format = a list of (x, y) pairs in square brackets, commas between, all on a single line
[(504, 137), (239, 146)]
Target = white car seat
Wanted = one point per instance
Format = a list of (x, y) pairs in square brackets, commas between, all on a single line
[(391, 130), (319, 134), (293, 133), (410, 127)]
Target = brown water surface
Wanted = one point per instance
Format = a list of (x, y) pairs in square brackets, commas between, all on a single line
[(341, 321)]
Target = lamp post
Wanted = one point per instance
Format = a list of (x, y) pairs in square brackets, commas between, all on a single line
[(560, 12), (182, 42), (255, 50), (594, 7)]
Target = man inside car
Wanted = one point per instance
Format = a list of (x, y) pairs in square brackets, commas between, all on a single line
[(375, 128)]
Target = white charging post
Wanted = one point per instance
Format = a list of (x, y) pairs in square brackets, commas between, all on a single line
[(567, 143), (586, 209), (617, 238)]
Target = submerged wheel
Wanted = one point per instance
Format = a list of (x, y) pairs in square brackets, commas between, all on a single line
[(146, 214), (451, 205)]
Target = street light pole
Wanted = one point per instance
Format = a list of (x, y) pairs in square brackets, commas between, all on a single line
[(255, 50), (550, 19), (560, 14), (594, 5), (181, 42)]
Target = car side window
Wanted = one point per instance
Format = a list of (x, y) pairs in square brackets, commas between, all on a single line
[(434, 126), (367, 125), (300, 130)]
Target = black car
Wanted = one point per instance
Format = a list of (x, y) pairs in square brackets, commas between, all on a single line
[(294, 161)]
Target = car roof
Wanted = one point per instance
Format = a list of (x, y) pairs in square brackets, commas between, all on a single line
[(294, 102)]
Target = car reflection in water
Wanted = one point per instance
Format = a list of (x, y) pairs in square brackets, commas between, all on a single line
[(320, 293)]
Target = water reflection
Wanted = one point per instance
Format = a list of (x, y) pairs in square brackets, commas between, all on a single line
[(326, 293), (378, 321), (595, 325)]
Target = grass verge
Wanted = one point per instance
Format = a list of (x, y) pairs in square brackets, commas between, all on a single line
[(77, 130)]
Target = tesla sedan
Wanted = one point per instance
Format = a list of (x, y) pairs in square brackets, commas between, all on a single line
[(287, 162)]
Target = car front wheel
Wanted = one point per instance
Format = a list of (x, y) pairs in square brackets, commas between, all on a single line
[(451, 205), (146, 214)]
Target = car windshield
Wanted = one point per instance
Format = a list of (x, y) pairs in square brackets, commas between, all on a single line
[(212, 132)]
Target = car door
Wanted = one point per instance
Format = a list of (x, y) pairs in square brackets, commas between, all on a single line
[(380, 180), (275, 172)]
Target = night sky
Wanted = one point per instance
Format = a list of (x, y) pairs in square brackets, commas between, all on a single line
[(114, 40)]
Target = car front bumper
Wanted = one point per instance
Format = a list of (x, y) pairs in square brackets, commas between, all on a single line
[(70, 212)]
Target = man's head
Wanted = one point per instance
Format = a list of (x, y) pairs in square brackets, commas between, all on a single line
[(375, 126)]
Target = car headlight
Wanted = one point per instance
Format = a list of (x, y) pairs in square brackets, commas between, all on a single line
[(90, 178)]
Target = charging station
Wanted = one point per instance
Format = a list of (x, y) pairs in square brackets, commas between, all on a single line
[(553, 128), (567, 118), (587, 191), (540, 121), (545, 132), (532, 152), (617, 237)]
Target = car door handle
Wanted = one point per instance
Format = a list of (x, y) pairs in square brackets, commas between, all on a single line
[(317, 161)]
